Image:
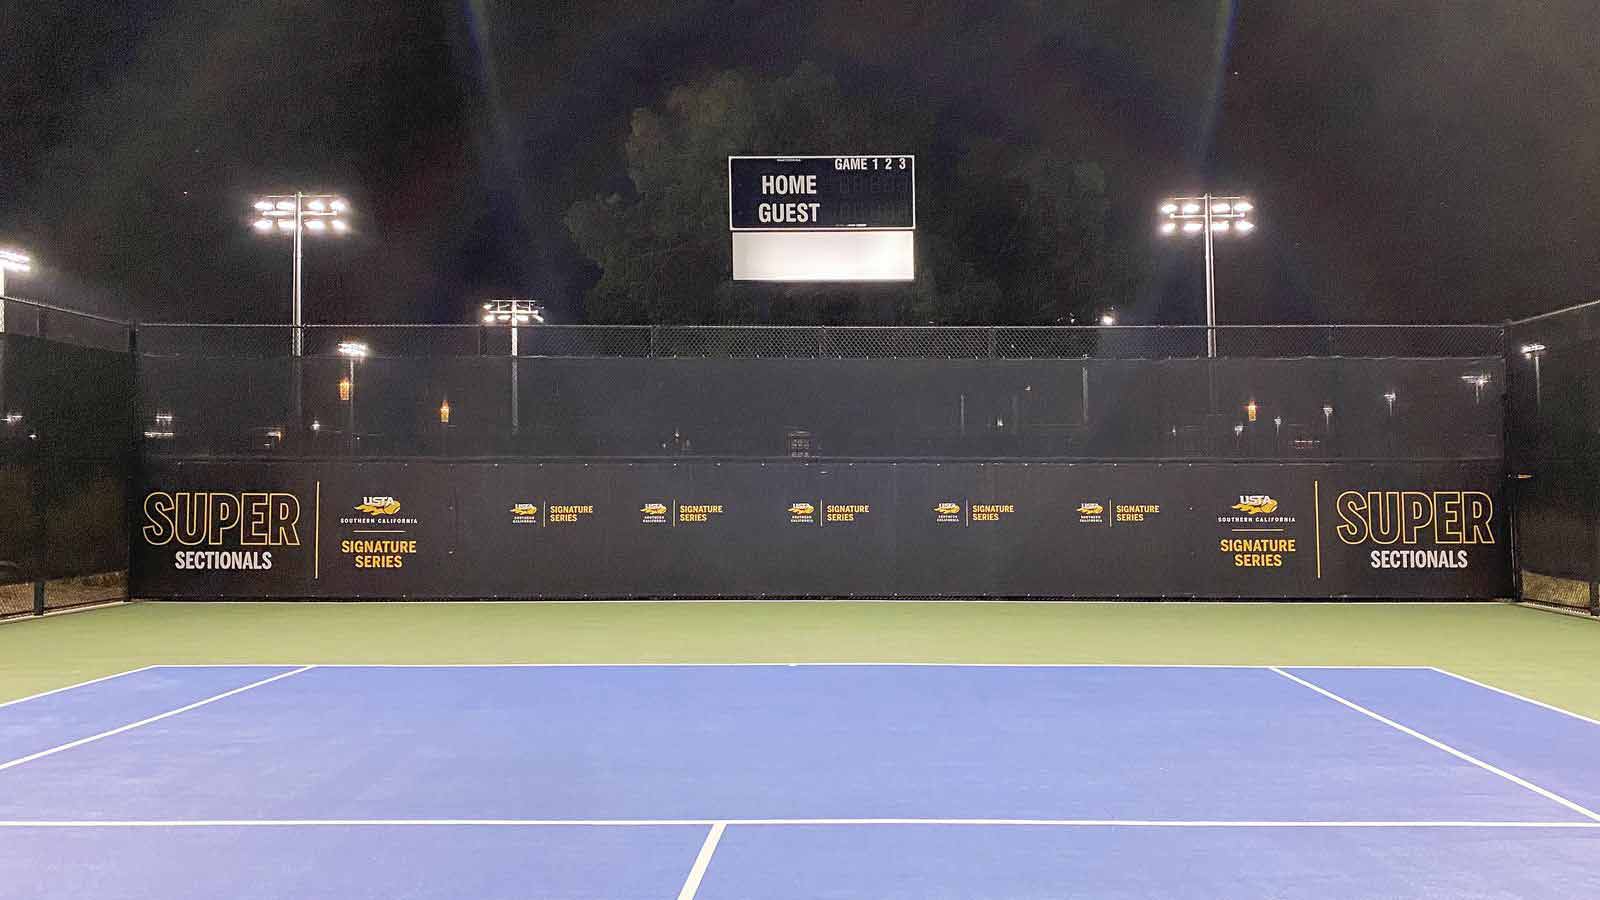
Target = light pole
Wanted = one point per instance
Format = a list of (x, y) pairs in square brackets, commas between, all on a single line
[(294, 215), (514, 314), (1478, 382), (11, 261), (351, 351), (1209, 216), (1533, 352)]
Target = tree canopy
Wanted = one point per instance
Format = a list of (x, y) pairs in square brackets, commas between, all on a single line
[(1008, 232)]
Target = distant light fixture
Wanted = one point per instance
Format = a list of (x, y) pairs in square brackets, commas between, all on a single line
[(444, 412), (1169, 208), (1244, 227), (1221, 207), (1250, 410), (1166, 227), (1108, 318), (287, 205), (286, 225), (1243, 206), (1191, 208), (1220, 226), (1531, 349), (15, 261), (316, 225), (352, 349), (340, 226), (316, 204), (262, 225), (316, 425)]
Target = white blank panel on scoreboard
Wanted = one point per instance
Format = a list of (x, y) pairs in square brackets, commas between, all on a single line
[(824, 256)]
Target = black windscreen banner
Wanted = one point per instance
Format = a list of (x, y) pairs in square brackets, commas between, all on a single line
[(749, 529)]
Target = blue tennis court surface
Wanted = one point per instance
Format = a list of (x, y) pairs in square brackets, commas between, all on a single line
[(888, 782)]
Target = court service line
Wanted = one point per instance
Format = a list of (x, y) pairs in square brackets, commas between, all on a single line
[(1514, 779), (142, 722), (72, 686), (718, 825), (691, 885), (1516, 696)]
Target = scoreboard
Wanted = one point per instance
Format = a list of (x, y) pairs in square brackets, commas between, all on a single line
[(821, 193)]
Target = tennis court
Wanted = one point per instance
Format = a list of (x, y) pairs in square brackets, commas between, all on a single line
[(843, 780)]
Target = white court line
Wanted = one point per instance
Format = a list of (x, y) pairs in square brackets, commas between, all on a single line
[(771, 665), (1566, 712), (156, 718), (71, 686), (724, 823), (1523, 782), (691, 885)]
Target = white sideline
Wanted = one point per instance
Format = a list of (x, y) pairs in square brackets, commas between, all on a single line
[(1512, 694), (725, 823), (767, 665), (1522, 782), (72, 686), (156, 718), (691, 885)]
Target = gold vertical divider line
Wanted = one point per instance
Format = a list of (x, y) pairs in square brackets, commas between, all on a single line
[(1316, 506), (316, 549)]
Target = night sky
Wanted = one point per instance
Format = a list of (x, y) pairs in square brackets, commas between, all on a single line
[(1425, 160)]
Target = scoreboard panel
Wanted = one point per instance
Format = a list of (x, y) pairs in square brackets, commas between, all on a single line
[(822, 193)]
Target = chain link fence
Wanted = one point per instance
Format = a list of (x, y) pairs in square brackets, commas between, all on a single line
[(1554, 454), (831, 342), (1369, 392), (66, 408)]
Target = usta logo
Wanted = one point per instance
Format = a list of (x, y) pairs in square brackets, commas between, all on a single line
[(379, 506), (1256, 504)]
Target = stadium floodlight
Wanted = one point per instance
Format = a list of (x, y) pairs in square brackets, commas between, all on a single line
[(294, 215), (353, 349), (11, 261), (1389, 397), (1108, 318), (1534, 352), (1327, 417), (1210, 216), (513, 313), (1479, 381)]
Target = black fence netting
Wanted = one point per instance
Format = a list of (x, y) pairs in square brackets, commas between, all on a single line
[(841, 393), (1554, 454), (66, 403)]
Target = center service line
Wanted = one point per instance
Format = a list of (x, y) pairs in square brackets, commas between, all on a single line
[(691, 885), (156, 718), (1522, 782)]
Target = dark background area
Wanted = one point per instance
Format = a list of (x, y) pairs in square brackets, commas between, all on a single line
[(1425, 161)]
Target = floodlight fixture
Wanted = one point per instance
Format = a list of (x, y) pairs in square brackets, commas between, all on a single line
[(1210, 216), (296, 214)]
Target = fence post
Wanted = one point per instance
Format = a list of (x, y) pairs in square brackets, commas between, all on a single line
[(655, 341), (993, 334), (38, 598)]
